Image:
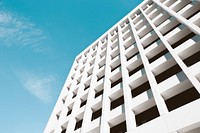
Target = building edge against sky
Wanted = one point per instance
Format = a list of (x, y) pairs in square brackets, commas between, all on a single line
[(141, 76)]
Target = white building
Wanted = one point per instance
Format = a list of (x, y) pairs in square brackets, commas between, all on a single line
[(141, 76)]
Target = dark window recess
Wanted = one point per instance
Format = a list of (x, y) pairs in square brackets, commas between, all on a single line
[(132, 56), (115, 67), (83, 103), (63, 131), (74, 95), (147, 32), (112, 57), (58, 116), (96, 114), (86, 87), (78, 82), (69, 112), (193, 14), (89, 74), (158, 56), (116, 82), (63, 100), (169, 30), (147, 115), (120, 128), (151, 43), (192, 34), (78, 124), (135, 70), (100, 77), (168, 73), (192, 59), (100, 66), (99, 93), (140, 89), (117, 102), (182, 99)]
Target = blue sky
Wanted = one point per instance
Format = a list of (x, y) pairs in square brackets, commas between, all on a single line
[(39, 40)]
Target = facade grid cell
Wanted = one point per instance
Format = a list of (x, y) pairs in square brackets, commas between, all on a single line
[(142, 75)]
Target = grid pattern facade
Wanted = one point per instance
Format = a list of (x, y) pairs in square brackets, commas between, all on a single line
[(142, 75)]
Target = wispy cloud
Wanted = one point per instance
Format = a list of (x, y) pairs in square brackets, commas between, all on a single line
[(16, 30), (40, 86)]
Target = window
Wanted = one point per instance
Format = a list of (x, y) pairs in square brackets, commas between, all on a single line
[(117, 103), (96, 114), (116, 82), (137, 53), (168, 73), (120, 128), (135, 70), (63, 131), (140, 89), (58, 115), (86, 87), (69, 111), (99, 93), (64, 99), (99, 78), (112, 69), (147, 115), (83, 103), (182, 98), (74, 94), (78, 124)]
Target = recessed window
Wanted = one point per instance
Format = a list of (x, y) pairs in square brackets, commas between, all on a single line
[(83, 103), (69, 112), (64, 99), (96, 114), (120, 128), (99, 78), (192, 59), (63, 131), (78, 124), (135, 70), (165, 51), (147, 115), (117, 102), (168, 73), (74, 95), (182, 99), (140, 89), (86, 87), (182, 40), (99, 93), (112, 69), (78, 82), (58, 115), (116, 82), (137, 53)]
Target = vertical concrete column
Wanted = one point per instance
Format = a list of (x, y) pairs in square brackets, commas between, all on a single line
[(106, 101), (87, 117), (130, 117)]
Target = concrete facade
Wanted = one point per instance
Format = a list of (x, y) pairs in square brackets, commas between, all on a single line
[(141, 76)]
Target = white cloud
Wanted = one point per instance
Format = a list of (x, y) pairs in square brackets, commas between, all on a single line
[(39, 86), (16, 30)]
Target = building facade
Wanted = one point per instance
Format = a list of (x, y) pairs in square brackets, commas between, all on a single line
[(141, 76)]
